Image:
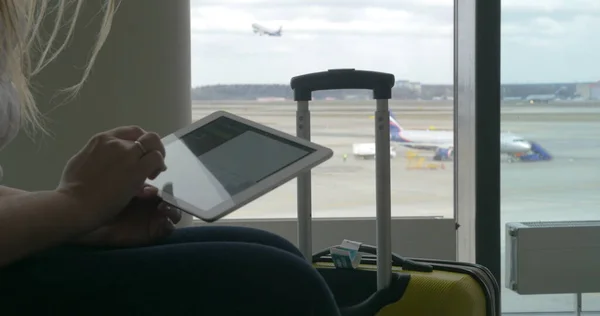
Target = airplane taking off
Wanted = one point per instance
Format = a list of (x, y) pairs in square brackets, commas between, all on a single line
[(442, 142), (261, 30)]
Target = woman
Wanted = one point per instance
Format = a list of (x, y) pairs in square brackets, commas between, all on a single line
[(102, 242)]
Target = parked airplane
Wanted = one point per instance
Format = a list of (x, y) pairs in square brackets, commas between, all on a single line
[(261, 30), (442, 142)]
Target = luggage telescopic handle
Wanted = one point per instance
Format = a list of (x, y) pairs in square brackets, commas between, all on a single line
[(397, 261), (336, 79)]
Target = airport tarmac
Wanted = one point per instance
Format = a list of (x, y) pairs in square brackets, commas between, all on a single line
[(565, 188)]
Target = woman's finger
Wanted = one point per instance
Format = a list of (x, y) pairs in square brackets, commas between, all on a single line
[(147, 191), (173, 213)]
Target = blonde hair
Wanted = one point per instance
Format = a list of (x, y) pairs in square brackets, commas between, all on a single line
[(20, 26)]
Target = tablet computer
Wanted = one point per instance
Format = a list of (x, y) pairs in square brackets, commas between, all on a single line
[(222, 162)]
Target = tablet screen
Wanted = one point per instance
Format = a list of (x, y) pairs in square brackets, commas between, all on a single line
[(209, 165)]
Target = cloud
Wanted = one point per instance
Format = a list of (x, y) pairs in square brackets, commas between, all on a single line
[(538, 26), (552, 6), (368, 21), (561, 28), (257, 4), (537, 6), (542, 40)]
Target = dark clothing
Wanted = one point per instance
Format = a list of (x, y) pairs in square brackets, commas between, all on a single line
[(210, 270)]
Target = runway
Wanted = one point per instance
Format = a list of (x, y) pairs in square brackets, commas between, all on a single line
[(565, 188)]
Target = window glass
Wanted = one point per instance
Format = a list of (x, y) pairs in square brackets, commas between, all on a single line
[(550, 98), (244, 54)]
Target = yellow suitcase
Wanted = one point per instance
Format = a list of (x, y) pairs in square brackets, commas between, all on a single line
[(385, 284), (421, 288)]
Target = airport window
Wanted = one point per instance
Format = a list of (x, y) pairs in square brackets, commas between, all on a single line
[(550, 98), (245, 53)]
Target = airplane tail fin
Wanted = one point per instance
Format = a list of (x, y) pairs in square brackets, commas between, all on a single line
[(395, 127)]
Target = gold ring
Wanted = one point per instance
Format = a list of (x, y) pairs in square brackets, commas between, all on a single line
[(141, 147)]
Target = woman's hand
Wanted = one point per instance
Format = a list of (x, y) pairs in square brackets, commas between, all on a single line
[(104, 176), (146, 219)]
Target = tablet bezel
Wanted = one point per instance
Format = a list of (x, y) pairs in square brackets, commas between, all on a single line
[(319, 155)]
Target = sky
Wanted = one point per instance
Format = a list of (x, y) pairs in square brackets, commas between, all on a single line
[(542, 40)]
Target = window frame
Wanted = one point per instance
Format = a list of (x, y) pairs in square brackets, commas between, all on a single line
[(477, 131)]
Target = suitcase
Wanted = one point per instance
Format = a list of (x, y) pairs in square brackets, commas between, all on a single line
[(384, 283)]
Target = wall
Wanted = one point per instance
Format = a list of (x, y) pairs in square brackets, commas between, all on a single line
[(141, 77)]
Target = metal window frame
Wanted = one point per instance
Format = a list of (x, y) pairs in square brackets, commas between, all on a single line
[(477, 131)]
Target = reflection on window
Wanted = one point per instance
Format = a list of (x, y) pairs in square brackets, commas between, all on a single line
[(551, 97), (245, 53)]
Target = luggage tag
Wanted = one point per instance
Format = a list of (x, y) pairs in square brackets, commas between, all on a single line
[(346, 255)]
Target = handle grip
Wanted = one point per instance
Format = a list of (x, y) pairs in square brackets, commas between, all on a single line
[(398, 261), (380, 83)]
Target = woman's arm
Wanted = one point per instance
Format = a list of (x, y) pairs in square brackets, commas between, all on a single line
[(4, 191), (95, 186), (34, 221)]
